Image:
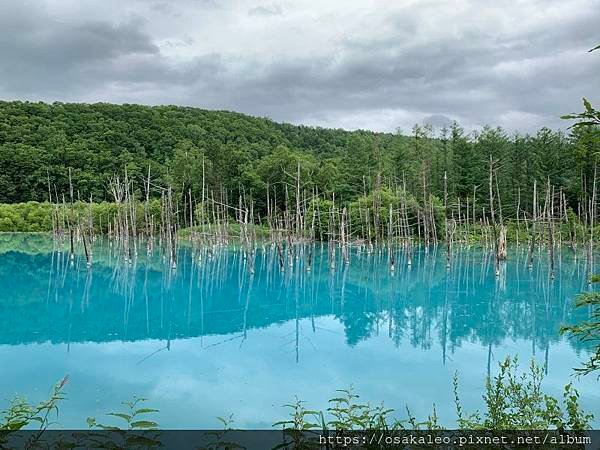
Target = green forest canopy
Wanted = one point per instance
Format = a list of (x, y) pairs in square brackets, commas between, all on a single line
[(39, 143)]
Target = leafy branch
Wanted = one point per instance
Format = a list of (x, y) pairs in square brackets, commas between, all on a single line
[(588, 332), (131, 417), (590, 117)]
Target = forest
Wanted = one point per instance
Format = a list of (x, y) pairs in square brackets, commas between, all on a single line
[(242, 155)]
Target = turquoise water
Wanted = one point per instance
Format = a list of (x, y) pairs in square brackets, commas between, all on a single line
[(210, 339)]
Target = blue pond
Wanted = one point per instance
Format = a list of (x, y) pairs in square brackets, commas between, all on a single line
[(211, 339)]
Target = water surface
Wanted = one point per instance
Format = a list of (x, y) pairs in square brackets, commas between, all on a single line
[(210, 338)]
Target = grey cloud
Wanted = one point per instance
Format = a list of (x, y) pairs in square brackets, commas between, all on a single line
[(272, 10), (459, 77), (438, 120), (56, 56), (187, 40), (520, 80), (164, 8)]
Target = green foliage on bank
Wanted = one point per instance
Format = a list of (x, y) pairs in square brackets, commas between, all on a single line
[(26, 217), (37, 217)]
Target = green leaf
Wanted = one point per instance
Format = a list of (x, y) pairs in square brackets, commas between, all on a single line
[(145, 411), (16, 425), (123, 416), (145, 424), (595, 48), (585, 123), (109, 428)]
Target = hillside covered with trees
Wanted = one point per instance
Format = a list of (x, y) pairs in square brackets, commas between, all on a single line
[(40, 143)]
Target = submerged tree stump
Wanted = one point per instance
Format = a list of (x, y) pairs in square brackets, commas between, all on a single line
[(502, 244)]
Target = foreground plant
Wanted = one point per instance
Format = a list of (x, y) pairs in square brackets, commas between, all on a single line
[(588, 332), (134, 417), (21, 414), (590, 116), (135, 430), (515, 401)]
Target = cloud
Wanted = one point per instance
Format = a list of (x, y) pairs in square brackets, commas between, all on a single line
[(438, 121), (512, 63), (272, 10)]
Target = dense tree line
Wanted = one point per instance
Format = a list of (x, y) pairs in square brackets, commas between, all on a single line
[(245, 155)]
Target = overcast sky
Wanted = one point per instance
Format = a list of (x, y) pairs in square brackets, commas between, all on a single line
[(353, 64)]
